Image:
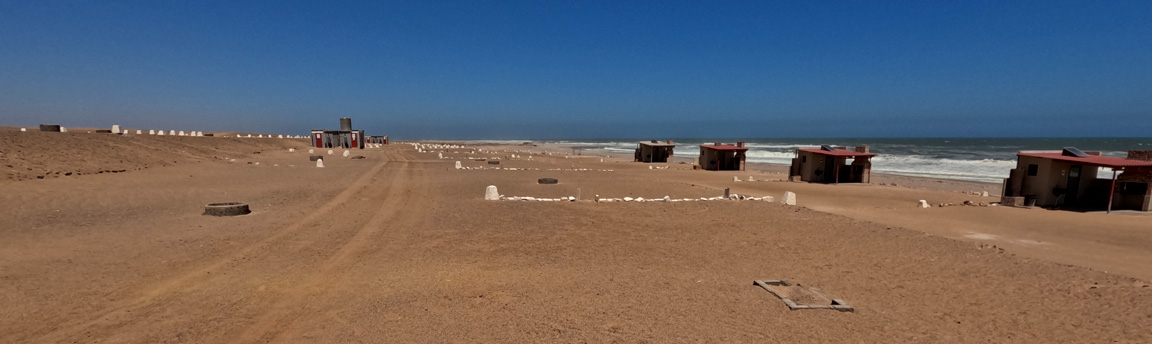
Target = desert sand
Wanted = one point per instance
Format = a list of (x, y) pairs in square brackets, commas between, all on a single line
[(401, 247)]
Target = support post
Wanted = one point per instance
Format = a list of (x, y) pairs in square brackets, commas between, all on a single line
[(1111, 192), (836, 174)]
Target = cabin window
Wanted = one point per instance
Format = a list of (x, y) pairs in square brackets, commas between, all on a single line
[(1033, 169), (804, 159)]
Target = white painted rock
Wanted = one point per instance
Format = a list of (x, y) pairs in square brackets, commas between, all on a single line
[(789, 198), (63, 129), (115, 128), (440, 155), (279, 136), (139, 132), (310, 151), (985, 194), (458, 166), (347, 153), (923, 204), (490, 193), (667, 199), (319, 162), (735, 178), (649, 167), (627, 199), (291, 149), (768, 198), (23, 129), (330, 152)]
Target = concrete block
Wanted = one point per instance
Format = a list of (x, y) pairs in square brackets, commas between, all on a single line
[(923, 204), (490, 193), (789, 198), (319, 162), (116, 129)]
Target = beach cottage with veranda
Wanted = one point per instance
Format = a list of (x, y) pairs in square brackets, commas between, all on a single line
[(654, 151), (830, 165), (1069, 179), (722, 157)]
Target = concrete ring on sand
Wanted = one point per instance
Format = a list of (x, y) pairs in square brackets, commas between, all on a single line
[(226, 209), (547, 181), (315, 157)]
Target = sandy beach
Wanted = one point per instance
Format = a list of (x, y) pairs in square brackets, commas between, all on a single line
[(103, 240)]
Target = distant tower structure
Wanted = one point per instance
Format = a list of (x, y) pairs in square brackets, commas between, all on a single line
[(345, 124)]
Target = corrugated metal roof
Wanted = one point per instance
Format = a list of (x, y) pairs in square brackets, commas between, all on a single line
[(657, 144), (1106, 161), (724, 147), (838, 152)]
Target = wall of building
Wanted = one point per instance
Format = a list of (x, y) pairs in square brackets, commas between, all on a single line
[(1054, 174)]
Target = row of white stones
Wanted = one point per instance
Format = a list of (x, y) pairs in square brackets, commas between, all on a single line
[(491, 194)]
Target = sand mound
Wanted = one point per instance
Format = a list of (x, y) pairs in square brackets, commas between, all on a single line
[(39, 155)]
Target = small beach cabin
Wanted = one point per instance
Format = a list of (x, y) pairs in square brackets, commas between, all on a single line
[(654, 151), (324, 138), (722, 157), (831, 165), (1069, 179)]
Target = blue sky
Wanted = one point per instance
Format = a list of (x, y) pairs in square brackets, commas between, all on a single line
[(553, 69)]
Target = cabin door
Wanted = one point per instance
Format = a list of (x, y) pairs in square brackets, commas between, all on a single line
[(829, 169), (1073, 186)]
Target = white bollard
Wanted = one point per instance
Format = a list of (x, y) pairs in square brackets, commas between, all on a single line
[(115, 128), (319, 162), (171, 132), (458, 166), (490, 193), (151, 132), (139, 132), (161, 133), (291, 150), (923, 204), (789, 198)]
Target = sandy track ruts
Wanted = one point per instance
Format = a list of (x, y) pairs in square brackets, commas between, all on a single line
[(275, 324), (197, 277)]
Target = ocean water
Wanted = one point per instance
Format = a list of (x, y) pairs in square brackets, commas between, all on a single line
[(972, 159)]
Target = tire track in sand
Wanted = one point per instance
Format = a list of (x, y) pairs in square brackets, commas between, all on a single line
[(276, 324), (200, 276)]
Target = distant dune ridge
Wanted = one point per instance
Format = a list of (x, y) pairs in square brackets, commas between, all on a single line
[(38, 155)]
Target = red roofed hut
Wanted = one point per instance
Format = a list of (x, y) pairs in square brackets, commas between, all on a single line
[(722, 157), (1069, 179), (829, 165)]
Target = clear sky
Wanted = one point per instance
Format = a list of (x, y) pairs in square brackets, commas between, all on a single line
[(584, 69)]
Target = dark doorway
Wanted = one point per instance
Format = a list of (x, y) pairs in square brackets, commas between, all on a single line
[(1073, 186), (829, 169)]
